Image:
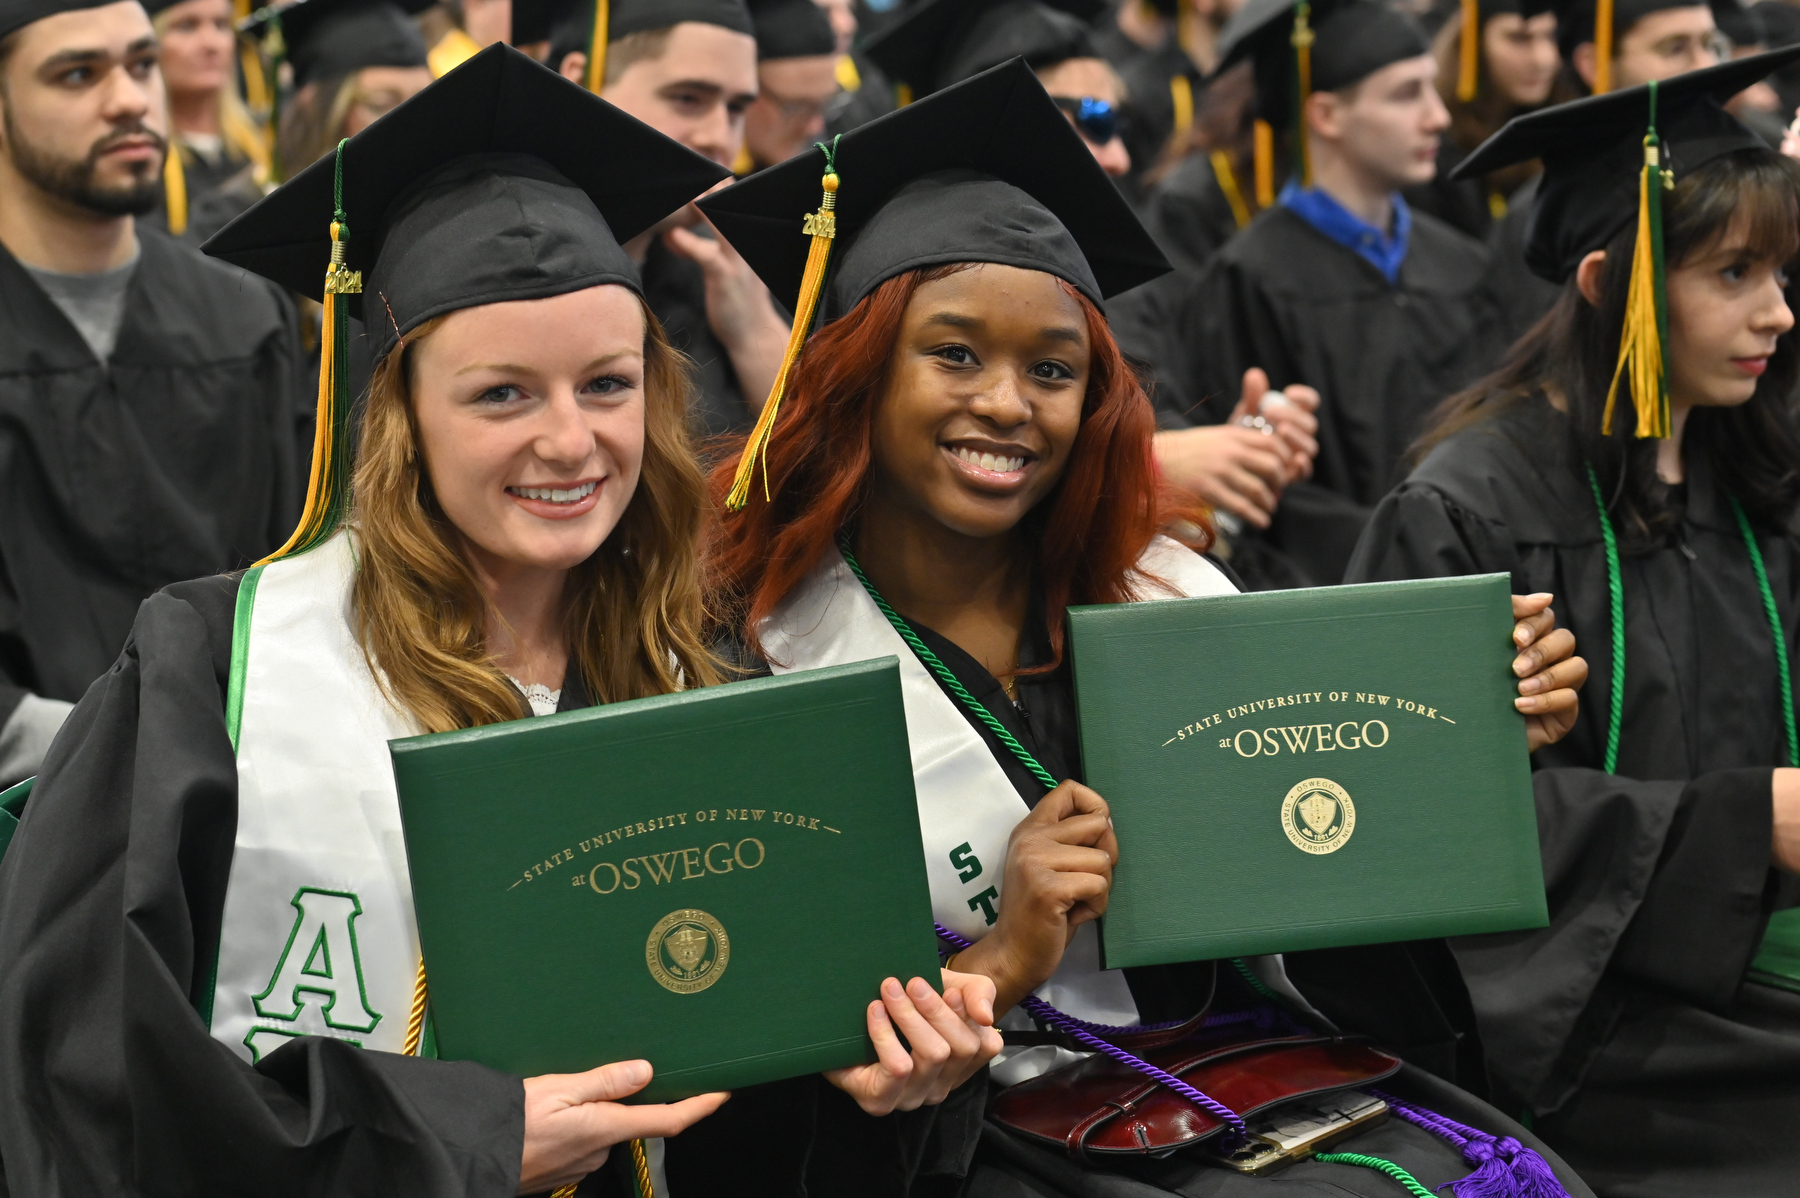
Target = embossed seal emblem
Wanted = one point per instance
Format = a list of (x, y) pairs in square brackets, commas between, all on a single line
[(687, 951), (1318, 816)]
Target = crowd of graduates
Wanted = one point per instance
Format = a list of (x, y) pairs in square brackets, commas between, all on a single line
[(1357, 290)]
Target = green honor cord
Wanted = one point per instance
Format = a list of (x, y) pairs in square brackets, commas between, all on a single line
[(931, 662), (1615, 585)]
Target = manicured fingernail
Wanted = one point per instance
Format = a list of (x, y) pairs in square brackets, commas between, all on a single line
[(1531, 686), (1522, 636), (1525, 704)]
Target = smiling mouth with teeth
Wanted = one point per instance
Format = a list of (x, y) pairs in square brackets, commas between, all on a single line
[(997, 463), (554, 494)]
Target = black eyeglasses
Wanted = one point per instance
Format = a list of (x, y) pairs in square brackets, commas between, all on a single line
[(1097, 120)]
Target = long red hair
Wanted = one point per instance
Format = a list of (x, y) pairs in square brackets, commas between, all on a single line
[(1108, 505)]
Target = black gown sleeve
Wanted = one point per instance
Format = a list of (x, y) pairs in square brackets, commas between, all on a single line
[(111, 896), (1664, 883)]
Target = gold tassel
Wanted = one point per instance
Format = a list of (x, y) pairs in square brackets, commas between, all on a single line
[(1640, 344), (744, 163), (595, 76), (1181, 96), (821, 226), (846, 74), (175, 196), (1469, 65), (1303, 41), (415, 1020), (1227, 180), (1263, 140), (902, 95), (640, 1165), (452, 50), (1603, 46)]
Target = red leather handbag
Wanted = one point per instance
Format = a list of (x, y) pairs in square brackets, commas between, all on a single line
[(1098, 1107)]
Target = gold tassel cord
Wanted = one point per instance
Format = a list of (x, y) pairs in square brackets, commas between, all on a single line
[(640, 1166), (821, 226), (1646, 321), (594, 78), (1468, 72), (1263, 140), (1228, 184), (1181, 97), (1603, 46), (175, 194), (415, 1019), (330, 457), (1303, 43)]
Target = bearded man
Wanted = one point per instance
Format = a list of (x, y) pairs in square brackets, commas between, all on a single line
[(147, 412)]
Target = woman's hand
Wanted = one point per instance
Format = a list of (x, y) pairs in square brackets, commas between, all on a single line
[(573, 1119), (1548, 670), (951, 1036), (1289, 413), (1059, 864)]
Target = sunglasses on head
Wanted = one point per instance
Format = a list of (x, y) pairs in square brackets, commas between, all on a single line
[(1097, 120)]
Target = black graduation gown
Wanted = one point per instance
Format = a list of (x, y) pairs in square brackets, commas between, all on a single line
[(1189, 215), (111, 898), (218, 191), (804, 1137), (675, 289), (1521, 297), (1283, 296), (1460, 203), (177, 459), (1628, 1025)]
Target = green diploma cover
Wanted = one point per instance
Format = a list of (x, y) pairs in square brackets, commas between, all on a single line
[(716, 881), (1303, 769)]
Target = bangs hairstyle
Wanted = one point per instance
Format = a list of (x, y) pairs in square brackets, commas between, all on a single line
[(1753, 447), (633, 612), (1088, 532)]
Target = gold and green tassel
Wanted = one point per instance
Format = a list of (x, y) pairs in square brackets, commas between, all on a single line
[(1302, 39), (594, 78), (821, 226), (1646, 329), (327, 487)]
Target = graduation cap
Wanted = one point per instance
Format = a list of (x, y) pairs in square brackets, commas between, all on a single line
[(326, 39), (533, 20), (501, 181), (16, 14), (1602, 22), (609, 20), (791, 29), (1607, 161), (942, 42), (984, 171), (1298, 47)]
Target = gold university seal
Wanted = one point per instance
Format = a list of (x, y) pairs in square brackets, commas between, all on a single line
[(1318, 816), (687, 951)]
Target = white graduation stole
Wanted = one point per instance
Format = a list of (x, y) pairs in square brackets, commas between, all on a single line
[(318, 937), (967, 805)]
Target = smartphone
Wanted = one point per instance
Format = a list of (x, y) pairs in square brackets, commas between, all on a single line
[(1296, 1130)]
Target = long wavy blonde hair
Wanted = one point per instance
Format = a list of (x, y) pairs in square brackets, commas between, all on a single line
[(634, 614)]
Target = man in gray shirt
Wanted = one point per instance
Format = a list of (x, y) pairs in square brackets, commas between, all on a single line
[(147, 412)]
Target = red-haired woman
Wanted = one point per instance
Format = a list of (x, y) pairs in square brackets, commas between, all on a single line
[(961, 453)]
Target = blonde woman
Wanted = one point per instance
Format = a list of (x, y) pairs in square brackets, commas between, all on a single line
[(518, 536), (218, 152)]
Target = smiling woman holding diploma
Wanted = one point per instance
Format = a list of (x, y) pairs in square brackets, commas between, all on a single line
[(212, 973), (959, 454)]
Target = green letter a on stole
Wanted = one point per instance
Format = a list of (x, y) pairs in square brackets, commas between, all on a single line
[(321, 957)]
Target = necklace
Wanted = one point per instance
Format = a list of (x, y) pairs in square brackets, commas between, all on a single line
[(1615, 585)]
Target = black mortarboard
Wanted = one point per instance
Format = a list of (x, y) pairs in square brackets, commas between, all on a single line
[(1592, 148), (791, 29), (1606, 159), (533, 20), (1475, 15), (942, 42), (987, 170), (327, 39), (501, 181), (16, 14)]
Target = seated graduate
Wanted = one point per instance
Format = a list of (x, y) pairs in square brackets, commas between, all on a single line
[(1648, 475), (1339, 286), (959, 454), (206, 925)]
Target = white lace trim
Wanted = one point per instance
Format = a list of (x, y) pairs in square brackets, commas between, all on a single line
[(543, 700)]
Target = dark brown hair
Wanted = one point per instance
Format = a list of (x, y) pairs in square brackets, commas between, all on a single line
[(1573, 350)]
